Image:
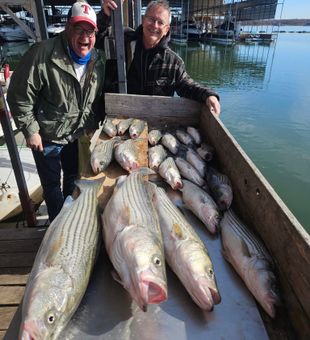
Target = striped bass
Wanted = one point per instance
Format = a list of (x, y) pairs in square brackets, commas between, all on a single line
[(157, 154), (133, 240), (109, 128), (201, 204), (185, 253), (154, 136), (170, 142), (102, 154), (126, 154), (250, 259), (123, 126), (170, 173), (220, 186), (195, 134), (136, 128), (62, 267)]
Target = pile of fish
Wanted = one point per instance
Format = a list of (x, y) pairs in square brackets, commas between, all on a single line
[(142, 228), (186, 163)]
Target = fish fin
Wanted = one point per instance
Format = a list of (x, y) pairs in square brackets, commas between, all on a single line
[(119, 181), (176, 232), (244, 248), (87, 183)]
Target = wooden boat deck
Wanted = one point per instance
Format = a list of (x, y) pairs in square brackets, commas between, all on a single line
[(18, 247)]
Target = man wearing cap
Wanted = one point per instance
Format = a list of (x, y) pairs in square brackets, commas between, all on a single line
[(53, 96)]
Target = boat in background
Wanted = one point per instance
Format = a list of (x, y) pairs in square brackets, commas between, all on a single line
[(193, 31), (55, 29)]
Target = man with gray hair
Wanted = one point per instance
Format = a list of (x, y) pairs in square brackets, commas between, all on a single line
[(153, 68)]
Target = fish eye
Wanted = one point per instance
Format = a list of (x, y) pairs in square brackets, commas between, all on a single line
[(51, 318), (211, 272), (157, 261)]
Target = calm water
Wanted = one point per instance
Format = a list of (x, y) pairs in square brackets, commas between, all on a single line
[(265, 98)]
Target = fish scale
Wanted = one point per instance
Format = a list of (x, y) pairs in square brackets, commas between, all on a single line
[(142, 209), (252, 242)]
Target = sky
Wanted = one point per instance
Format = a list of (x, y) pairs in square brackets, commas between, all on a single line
[(294, 9)]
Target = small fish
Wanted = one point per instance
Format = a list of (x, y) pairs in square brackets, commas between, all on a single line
[(189, 172), (196, 161), (186, 253), (136, 128), (170, 142), (126, 154), (156, 155), (102, 154), (220, 187), (109, 128), (170, 173), (245, 252), (206, 152), (154, 137), (184, 137), (194, 133), (201, 204), (123, 126)]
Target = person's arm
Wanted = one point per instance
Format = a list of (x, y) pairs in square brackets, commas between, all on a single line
[(104, 22), (22, 96)]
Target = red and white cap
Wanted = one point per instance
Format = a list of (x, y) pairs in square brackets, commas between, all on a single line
[(82, 11)]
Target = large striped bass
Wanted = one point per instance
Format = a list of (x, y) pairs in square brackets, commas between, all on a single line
[(133, 240), (62, 267), (250, 260), (185, 253)]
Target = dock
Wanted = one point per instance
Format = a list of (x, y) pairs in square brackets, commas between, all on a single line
[(18, 247)]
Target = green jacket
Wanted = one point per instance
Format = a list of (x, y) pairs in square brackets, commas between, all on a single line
[(45, 95)]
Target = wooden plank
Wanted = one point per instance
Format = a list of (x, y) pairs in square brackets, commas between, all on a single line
[(13, 279), (15, 271), (154, 109), (17, 260), (11, 295), (21, 233), (6, 315), (19, 246), (262, 210)]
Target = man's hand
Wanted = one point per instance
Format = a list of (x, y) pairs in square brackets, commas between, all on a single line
[(34, 142), (214, 105), (108, 6)]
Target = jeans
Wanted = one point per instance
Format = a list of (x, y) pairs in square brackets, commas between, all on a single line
[(50, 162)]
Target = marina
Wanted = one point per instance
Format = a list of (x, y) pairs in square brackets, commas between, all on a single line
[(255, 200)]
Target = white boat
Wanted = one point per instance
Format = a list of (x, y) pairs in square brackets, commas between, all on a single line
[(55, 29), (193, 32), (13, 33)]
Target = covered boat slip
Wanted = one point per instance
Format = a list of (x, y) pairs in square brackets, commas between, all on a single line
[(107, 312)]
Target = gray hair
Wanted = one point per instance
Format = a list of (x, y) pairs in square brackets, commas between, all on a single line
[(159, 3)]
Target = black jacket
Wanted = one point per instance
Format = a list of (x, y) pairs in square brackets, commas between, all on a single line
[(157, 71)]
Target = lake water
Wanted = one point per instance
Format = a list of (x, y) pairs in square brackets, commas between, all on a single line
[(265, 98)]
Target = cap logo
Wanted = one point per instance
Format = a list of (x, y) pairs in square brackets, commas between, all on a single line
[(86, 9)]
